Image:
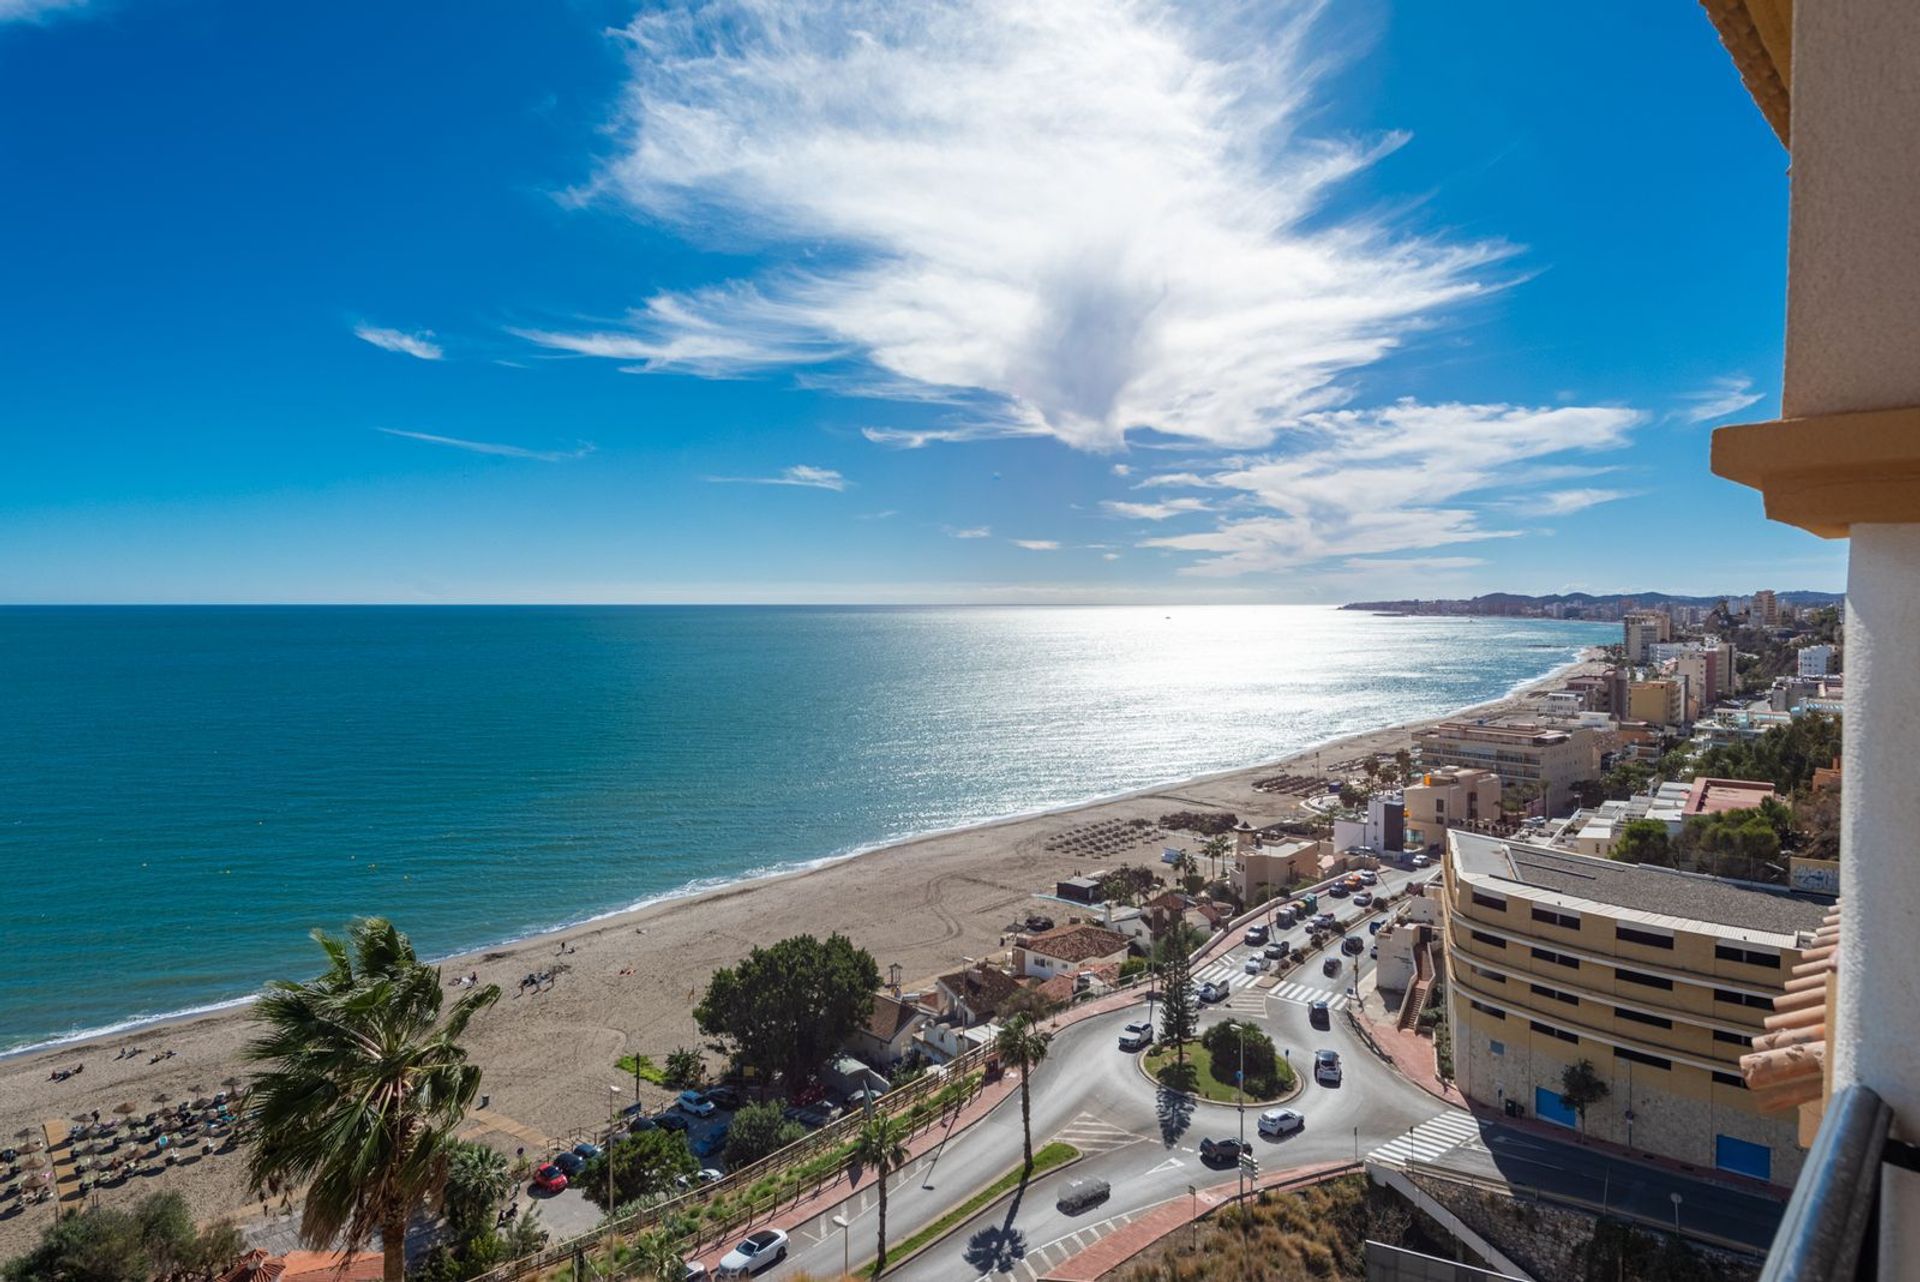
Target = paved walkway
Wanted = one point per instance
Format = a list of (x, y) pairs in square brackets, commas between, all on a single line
[(1150, 1226)]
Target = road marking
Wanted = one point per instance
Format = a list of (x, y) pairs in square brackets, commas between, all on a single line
[(1429, 1140), (1091, 1135), (1068, 1246), (1170, 1164)]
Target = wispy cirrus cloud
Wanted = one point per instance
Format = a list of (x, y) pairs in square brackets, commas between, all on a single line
[(801, 474), (1723, 396), (1384, 564), (37, 10), (968, 531), (1154, 511), (1562, 502), (493, 447), (1088, 217), (419, 345), (1037, 545)]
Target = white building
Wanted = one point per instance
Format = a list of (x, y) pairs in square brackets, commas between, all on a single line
[(1816, 660)]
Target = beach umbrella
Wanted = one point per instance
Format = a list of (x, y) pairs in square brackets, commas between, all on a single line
[(34, 1162), (125, 1107), (161, 1097)]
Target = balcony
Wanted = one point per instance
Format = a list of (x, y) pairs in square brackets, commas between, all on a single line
[(1830, 1230)]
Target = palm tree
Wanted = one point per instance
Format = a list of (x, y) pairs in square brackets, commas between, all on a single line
[(882, 1145), (477, 1180), (1216, 849), (365, 1086), (1023, 1046), (657, 1255)]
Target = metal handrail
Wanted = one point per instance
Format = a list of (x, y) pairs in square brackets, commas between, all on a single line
[(1824, 1229)]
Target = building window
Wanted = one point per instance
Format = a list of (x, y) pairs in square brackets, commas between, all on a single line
[(1629, 935), (1551, 1031), (1481, 972), (1732, 998), (1651, 1061), (1541, 990), (1558, 959), (1485, 1009), (1641, 1017), (1483, 900), (1554, 917), (1746, 956), (1639, 977), (1731, 1079), (1497, 1048), (1491, 941), (1738, 1039)]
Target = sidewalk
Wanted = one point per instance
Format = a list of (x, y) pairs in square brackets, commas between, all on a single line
[(1411, 1055), (1121, 1245)]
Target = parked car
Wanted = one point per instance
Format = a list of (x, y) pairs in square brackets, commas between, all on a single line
[(1363, 900), (1421, 861), (1136, 1036), (1255, 964), (1039, 922), (711, 1175), (549, 1178), (587, 1150), (1373, 927), (727, 1097), (1222, 1152), (1081, 1195), (1255, 935), (696, 1272), (1276, 1122), (1368, 877), (571, 1163), (713, 1141), (1326, 1067), (695, 1103), (1278, 952), (756, 1253), (1320, 1015), (1339, 890), (671, 1122), (1331, 966), (1352, 945), (1323, 920)]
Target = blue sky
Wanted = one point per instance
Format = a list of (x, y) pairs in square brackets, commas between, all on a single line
[(814, 300)]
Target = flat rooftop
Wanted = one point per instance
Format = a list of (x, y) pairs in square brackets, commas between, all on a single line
[(1638, 888)]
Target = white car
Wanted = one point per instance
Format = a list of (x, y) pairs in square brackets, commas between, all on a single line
[(756, 1253), (1421, 861), (1369, 877), (695, 1103), (1280, 1121), (1256, 964), (1136, 1037)]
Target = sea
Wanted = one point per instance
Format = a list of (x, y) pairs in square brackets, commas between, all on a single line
[(185, 792)]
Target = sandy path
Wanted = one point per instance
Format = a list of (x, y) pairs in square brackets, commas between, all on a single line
[(549, 1058)]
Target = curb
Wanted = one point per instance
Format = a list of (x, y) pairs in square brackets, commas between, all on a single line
[(894, 1261), (1299, 1084)]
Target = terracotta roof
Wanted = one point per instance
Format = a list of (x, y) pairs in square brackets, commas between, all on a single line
[(981, 987), (1075, 943), (256, 1265), (1788, 1065), (1716, 796), (1058, 989), (328, 1266), (1758, 35), (890, 1016)]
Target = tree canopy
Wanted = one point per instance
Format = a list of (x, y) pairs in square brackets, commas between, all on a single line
[(645, 1166), (756, 1131), (156, 1237), (1785, 756), (786, 1008)]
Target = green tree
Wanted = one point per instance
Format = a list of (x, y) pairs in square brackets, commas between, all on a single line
[(1627, 779), (1581, 1087), (1403, 762), (1232, 1043), (1216, 849), (365, 1085), (881, 1146), (155, 1238), (645, 1166), (656, 1256), (786, 1008), (478, 1179), (758, 1130), (1733, 843), (1020, 1045), (1816, 822), (1644, 841), (684, 1068), (1178, 1017)]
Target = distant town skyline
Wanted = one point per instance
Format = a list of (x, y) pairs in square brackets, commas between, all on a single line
[(817, 301)]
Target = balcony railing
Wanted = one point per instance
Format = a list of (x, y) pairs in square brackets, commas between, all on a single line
[(1827, 1233)]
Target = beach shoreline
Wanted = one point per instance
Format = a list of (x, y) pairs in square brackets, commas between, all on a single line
[(628, 978)]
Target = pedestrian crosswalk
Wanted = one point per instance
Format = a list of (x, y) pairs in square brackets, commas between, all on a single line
[(1034, 1262), (1091, 1135), (1429, 1140), (1245, 997), (1306, 995), (1226, 971)]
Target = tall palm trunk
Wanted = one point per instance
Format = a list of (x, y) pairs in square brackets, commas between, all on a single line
[(393, 1250), (1026, 1115), (880, 1254)]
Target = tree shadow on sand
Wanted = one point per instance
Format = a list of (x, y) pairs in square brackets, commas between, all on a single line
[(999, 1247)]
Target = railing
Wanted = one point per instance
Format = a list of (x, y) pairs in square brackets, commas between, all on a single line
[(1824, 1234)]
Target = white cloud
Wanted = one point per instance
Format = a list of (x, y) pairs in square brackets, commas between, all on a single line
[(1155, 511), (1400, 478), (1109, 556), (36, 10), (1121, 469), (886, 515), (1561, 502), (969, 532), (1414, 563), (1093, 217), (489, 447), (1723, 396), (1037, 545), (420, 345), (815, 478)]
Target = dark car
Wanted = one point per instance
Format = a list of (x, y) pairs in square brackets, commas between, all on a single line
[(1331, 966), (671, 1122), (1319, 1015), (571, 1163), (1278, 952), (1083, 1194), (588, 1150), (1353, 945), (1255, 935), (1220, 1152), (1338, 890), (1039, 921), (727, 1097)]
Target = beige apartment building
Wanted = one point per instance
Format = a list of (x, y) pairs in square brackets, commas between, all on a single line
[(1445, 798), (1658, 978), (1660, 702), (1642, 630), (1519, 752)]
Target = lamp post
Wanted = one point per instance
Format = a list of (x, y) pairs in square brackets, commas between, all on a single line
[(606, 1153), (845, 1226), (1675, 1195)]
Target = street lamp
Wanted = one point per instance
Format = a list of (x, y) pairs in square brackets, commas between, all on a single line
[(606, 1152), (1675, 1195), (845, 1226)]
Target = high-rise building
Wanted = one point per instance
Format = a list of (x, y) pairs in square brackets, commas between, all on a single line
[(1765, 610), (1520, 753), (1816, 660), (1643, 629)]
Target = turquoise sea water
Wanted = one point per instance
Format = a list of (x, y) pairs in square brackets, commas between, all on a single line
[(185, 792)]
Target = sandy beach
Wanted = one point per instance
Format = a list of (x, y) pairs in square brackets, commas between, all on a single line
[(629, 981)]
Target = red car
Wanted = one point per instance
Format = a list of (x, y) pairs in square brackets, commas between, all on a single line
[(550, 1178)]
